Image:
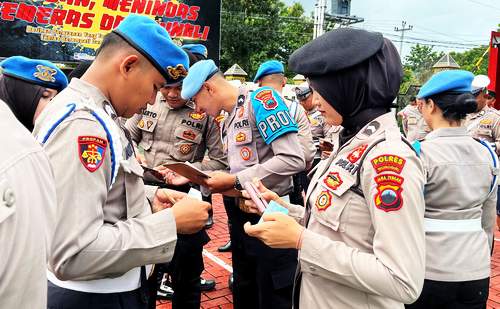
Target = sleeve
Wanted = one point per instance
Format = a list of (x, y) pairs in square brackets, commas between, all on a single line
[(394, 197), (271, 114), (135, 132), (218, 159), (496, 133), (86, 246), (288, 160), (305, 135), (489, 215), (296, 211)]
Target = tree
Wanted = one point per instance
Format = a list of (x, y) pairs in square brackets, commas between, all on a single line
[(421, 59), (257, 30), (474, 60)]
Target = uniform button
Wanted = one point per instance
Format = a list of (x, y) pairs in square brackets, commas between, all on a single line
[(8, 197), (164, 250), (312, 268)]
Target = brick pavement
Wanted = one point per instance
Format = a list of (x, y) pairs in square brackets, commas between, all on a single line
[(221, 297)]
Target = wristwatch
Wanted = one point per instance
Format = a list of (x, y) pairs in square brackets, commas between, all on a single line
[(237, 184)]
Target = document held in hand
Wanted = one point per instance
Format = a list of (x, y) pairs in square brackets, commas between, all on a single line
[(189, 171)]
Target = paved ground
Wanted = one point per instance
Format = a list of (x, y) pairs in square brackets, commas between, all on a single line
[(222, 298)]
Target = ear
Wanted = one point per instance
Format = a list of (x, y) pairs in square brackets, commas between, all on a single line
[(129, 64), (284, 81), (209, 87)]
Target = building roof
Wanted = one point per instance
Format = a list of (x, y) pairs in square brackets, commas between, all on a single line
[(446, 62), (235, 70)]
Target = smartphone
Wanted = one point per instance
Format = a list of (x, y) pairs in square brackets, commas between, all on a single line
[(255, 195)]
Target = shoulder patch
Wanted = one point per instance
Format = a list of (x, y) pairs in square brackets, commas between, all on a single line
[(272, 116), (267, 99), (92, 150), (389, 189), (388, 163)]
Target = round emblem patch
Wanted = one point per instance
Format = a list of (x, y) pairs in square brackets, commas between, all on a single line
[(246, 153), (324, 200), (185, 149)]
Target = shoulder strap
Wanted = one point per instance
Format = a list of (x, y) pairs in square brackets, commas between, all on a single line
[(111, 129), (293, 108), (495, 165)]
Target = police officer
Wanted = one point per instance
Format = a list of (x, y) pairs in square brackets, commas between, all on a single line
[(261, 139), (272, 74), (319, 127), (28, 85), (170, 131), (484, 123), (109, 225), (459, 213), (363, 241), (414, 126), (27, 213)]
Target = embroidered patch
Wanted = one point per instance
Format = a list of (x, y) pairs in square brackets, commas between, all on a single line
[(197, 116), (189, 134), (389, 188), (91, 150), (333, 180), (241, 137), (185, 149), (218, 120), (177, 71), (241, 111), (356, 154), (45, 73), (246, 153), (388, 163), (485, 121), (140, 124), (267, 99), (324, 200)]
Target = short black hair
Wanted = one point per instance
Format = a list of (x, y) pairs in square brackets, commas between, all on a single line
[(112, 40)]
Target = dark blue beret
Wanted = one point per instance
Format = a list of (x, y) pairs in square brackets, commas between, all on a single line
[(154, 43), (267, 68), (196, 49), (335, 50), (200, 72), (458, 81), (40, 72)]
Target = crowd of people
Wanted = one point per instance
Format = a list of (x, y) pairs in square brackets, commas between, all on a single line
[(360, 215)]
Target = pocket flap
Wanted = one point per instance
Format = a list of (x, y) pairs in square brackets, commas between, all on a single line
[(188, 134)]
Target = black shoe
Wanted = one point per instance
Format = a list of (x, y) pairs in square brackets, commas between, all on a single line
[(165, 291), (225, 248), (207, 285), (230, 282), (210, 222)]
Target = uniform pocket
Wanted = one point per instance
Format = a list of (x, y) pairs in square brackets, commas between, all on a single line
[(187, 142)]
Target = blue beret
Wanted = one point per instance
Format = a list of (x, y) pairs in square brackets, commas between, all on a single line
[(196, 49), (40, 72), (154, 43), (200, 72), (459, 81), (267, 68), (335, 50)]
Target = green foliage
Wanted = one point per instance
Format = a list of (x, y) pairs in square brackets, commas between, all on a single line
[(474, 60), (253, 31), (420, 61)]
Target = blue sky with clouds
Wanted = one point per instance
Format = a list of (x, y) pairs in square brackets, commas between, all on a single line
[(450, 25)]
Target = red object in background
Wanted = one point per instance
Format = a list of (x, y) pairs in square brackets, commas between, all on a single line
[(494, 66)]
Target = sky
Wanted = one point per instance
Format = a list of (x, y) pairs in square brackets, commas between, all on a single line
[(455, 25)]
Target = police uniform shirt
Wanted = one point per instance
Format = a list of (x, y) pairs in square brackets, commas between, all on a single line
[(368, 250), (451, 160), (103, 230), (249, 154), (319, 128), (485, 125), (27, 214), (304, 134), (414, 125), (170, 135)]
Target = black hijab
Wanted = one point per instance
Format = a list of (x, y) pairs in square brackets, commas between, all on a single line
[(22, 98), (362, 92)]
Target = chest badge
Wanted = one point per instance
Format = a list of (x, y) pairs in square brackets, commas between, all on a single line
[(246, 153), (241, 137), (356, 154), (333, 180), (189, 134), (185, 149), (324, 200), (197, 116)]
